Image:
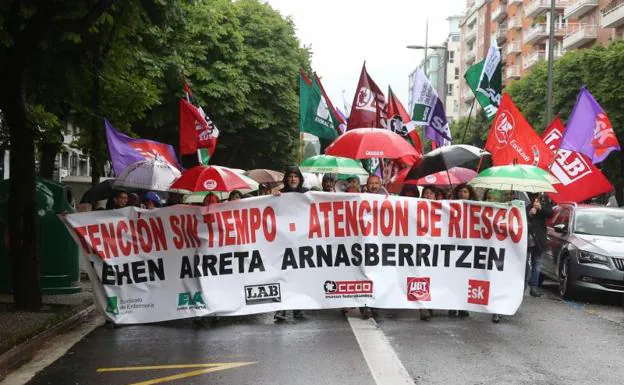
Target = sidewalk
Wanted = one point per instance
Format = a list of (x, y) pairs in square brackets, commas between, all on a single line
[(18, 328)]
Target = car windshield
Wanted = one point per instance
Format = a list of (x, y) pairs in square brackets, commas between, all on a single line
[(600, 222)]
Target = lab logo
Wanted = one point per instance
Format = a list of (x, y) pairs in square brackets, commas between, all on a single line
[(112, 305), (478, 292), (418, 289), (266, 293)]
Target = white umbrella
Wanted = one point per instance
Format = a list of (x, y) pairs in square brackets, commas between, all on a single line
[(149, 174)]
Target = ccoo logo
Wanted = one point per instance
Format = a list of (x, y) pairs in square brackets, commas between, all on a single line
[(503, 127)]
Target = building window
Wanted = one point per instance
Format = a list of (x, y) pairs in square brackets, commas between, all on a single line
[(449, 90), (455, 38), (456, 73), (451, 56)]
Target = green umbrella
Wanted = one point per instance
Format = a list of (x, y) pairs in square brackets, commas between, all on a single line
[(326, 163), (516, 178)]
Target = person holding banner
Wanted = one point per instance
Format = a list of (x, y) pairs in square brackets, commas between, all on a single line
[(373, 186), (429, 192), (539, 212), (119, 200), (210, 199), (329, 182), (293, 182), (462, 192)]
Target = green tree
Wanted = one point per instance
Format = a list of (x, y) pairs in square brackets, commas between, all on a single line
[(599, 68), (37, 42)]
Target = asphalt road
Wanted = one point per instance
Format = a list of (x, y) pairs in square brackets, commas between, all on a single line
[(549, 341)]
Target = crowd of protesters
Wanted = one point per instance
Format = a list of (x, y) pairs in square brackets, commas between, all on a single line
[(539, 210)]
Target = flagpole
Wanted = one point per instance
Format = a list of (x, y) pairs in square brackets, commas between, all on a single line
[(468, 121)]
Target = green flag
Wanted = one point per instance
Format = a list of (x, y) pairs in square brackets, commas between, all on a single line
[(486, 82), (203, 156), (315, 116)]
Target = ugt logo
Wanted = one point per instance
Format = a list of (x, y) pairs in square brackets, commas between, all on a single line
[(418, 288), (112, 305), (186, 299), (478, 292), (503, 127)]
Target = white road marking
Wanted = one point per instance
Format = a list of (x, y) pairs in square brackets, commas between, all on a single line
[(56, 348), (382, 360)]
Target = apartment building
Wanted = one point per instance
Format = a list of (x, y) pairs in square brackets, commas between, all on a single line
[(475, 33), (612, 16), (454, 78)]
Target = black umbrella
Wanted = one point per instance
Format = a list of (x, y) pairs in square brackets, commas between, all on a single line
[(443, 158), (101, 191)]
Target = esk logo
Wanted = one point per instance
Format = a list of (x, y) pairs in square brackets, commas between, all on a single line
[(478, 292), (188, 300), (418, 289)]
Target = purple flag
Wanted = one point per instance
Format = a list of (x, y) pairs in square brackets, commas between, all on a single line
[(589, 130), (438, 129), (125, 150)]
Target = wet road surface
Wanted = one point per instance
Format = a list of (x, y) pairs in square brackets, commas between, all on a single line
[(549, 341)]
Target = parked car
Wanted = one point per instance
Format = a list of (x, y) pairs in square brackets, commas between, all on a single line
[(587, 245)]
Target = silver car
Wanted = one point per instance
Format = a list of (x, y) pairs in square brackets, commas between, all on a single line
[(587, 249)]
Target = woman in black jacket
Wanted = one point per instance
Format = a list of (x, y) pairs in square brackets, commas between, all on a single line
[(539, 211)]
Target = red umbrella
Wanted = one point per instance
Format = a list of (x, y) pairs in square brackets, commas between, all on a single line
[(208, 178), (366, 143), (454, 176)]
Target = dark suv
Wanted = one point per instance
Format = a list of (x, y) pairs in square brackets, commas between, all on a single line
[(587, 244)]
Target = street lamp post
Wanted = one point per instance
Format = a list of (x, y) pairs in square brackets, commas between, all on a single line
[(551, 55)]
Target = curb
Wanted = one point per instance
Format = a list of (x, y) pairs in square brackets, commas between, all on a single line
[(25, 351)]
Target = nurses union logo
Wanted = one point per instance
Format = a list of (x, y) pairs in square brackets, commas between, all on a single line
[(503, 127)]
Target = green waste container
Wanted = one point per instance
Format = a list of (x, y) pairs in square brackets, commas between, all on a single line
[(58, 253)]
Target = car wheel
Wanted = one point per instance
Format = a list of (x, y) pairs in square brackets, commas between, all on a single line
[(565, 284)]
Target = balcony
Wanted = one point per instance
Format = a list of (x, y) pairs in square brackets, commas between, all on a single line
[(514, 23), (512, 72), (501, 34), (535, 34), (514, 48), (613, 15), (470, 56), (579, 8), (537, 7), (532, 59), (471, 35), (514, 2), (580, 36), (500, 13)]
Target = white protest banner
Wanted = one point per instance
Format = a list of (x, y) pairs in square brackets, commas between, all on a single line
[(304, 251)]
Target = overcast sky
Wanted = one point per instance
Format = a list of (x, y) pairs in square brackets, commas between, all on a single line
[(344, 33)]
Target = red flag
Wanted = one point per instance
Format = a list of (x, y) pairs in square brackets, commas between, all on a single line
[(580, 179), (195, 131), (512, 139), (369, 104), (400, 121)]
